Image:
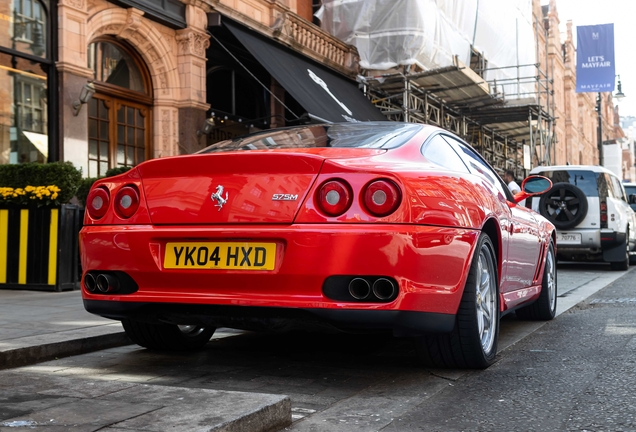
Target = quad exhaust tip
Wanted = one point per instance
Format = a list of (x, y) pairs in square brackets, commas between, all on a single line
[(106, 283), (359, 288), (383, 288), (90, 283)]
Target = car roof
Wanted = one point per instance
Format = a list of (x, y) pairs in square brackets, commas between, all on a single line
[(593, 168)]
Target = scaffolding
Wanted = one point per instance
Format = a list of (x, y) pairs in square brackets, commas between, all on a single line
[(513, 130)]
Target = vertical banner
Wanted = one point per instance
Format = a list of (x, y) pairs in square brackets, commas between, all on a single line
[(595, 69)]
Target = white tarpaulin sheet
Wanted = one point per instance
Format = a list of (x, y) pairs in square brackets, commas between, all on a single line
[(429, 33)]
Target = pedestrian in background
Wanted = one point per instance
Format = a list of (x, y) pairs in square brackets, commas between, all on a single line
[(509, 178)]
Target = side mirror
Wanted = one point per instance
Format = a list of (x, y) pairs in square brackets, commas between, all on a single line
[(632, 199), (532, 186)]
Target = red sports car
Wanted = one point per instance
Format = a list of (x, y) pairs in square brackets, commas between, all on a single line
[(360, 226)]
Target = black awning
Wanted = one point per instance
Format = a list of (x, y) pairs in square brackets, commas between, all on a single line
[(323, 93)]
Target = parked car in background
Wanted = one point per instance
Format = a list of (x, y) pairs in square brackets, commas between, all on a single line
[(630, 189), (590, 209), (390, 227)]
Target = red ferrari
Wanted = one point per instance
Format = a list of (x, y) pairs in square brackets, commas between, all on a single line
[(391, 227)]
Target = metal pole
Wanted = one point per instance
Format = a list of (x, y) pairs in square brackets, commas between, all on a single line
[(406, 101), (532, 148), (599, 129)]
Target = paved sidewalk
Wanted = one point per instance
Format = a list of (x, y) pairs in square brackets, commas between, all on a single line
[(37, 326), (40, 326)]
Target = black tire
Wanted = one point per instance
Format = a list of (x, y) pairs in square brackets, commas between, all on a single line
[(564, 205), (465, 347), (168, 337), (544, 308)]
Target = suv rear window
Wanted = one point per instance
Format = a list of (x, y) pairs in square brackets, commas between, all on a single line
[(587, 181)]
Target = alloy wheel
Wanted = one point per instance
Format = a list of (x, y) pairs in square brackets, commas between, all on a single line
[(486, 300), (550, 269)]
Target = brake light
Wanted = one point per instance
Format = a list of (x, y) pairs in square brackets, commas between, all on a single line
[(382, 197), (603, 207), (334, 197), (97, 202), (127, 201)]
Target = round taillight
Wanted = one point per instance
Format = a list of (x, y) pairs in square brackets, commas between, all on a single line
[(382, 197), (97, 202), (334, 197), (127, 201)]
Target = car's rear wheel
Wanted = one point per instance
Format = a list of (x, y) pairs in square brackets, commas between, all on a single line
[(169, 337), (564, 205), (473, 341), (544, 308)]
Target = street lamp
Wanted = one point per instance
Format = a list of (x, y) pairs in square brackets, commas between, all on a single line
[(619, 95), (599, 105), (85, 95)]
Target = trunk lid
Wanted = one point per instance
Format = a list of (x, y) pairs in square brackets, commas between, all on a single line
[(233, 187)]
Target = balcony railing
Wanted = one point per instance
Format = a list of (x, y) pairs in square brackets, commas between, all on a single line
[(279, 22)]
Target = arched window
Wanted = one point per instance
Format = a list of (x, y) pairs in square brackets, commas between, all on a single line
[(112, 64), (119, 113)]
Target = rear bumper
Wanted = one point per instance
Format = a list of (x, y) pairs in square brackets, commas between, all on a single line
[(429, 264), (401, 323), (592, 240)]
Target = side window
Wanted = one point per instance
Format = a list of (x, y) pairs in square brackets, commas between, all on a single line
[(618, 188), (438, 151), (478, 166), (605, 186)]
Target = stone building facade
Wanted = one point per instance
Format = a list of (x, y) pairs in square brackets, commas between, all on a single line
[(157, 71), (576, 115)]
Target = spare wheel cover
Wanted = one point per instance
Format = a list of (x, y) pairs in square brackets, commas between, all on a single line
[(565, 205)]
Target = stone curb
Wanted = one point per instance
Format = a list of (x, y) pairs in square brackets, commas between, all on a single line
[(64, 403), (35, 349)]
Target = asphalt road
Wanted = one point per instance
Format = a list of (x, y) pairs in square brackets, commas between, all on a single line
[(574, 373)]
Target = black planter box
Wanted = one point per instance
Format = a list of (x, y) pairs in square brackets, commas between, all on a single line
[(39, 247)]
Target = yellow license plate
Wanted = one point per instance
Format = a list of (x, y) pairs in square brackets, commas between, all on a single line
[(226, 255)]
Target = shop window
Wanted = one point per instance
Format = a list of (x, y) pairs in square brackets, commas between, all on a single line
[(31, 103), (23, 111), (24, 81), (24, 27)]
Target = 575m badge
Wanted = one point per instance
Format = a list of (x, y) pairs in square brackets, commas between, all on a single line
[(284, 197)]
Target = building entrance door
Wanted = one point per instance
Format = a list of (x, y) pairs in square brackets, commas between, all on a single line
[(117, 134)]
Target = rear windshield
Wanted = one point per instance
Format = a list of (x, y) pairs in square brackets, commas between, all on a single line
[(587, 181), (361, 135)]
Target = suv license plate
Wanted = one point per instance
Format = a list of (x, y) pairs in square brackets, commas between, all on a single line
[(568, 238)]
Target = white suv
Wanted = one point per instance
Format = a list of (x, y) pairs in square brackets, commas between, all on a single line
[(589, 208)]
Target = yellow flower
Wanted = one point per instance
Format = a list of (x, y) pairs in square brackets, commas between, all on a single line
[(29, 188), (54, 196)]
